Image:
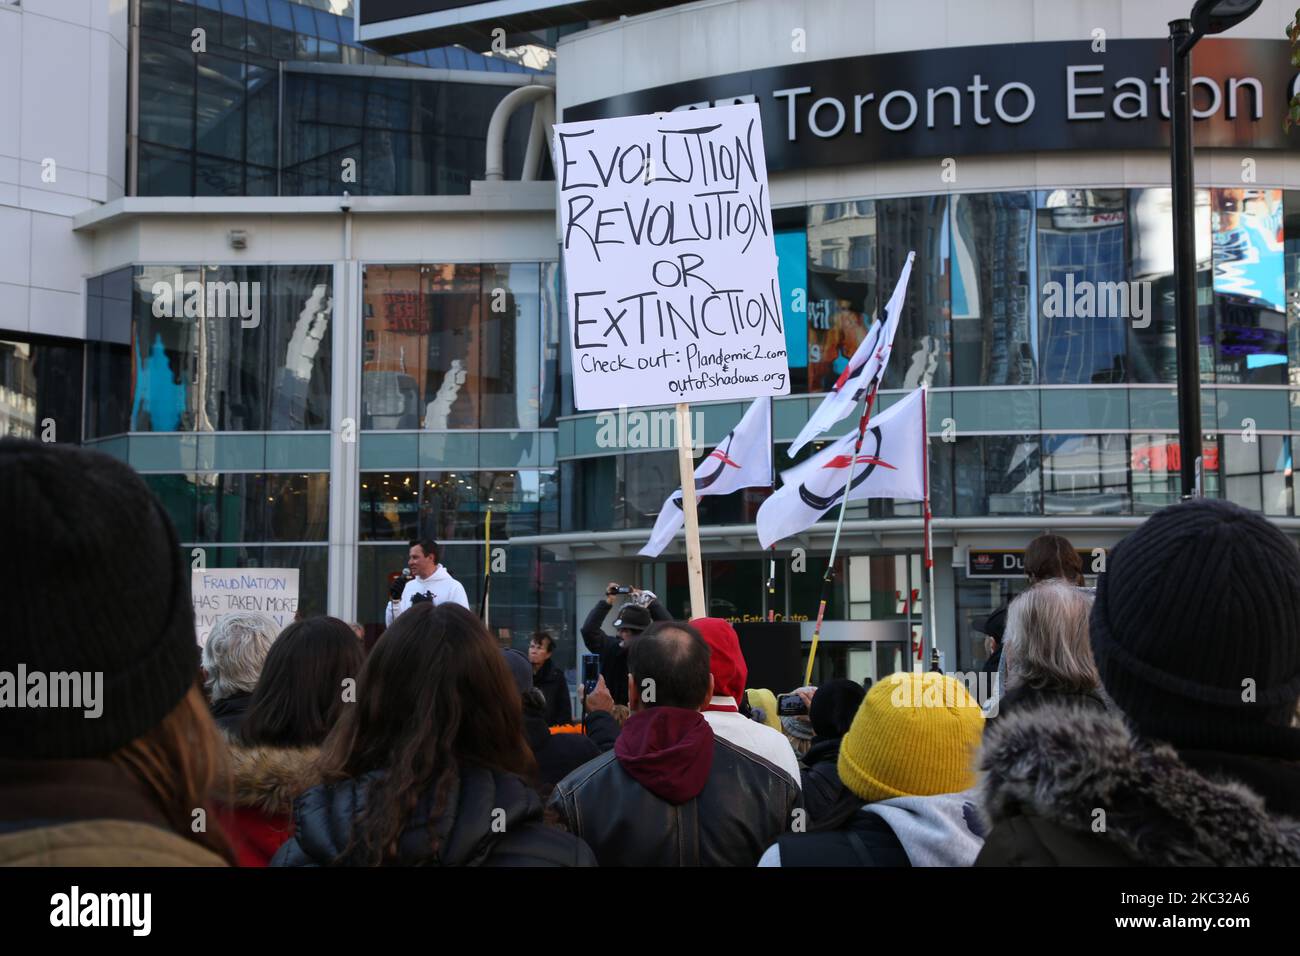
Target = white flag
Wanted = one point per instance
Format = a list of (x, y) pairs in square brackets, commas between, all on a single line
[(891, 464), (867, 365), (742, 460)]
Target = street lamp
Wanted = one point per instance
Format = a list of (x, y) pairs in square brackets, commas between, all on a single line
[(1208, 17)]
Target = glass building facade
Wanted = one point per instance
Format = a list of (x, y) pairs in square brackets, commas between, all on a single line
[(1041, 320), (240, 118)]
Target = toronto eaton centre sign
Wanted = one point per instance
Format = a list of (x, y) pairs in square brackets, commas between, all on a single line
[(992, 99)]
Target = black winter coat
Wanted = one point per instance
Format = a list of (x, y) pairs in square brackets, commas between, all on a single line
[(1048, 771), (1025, 697), (864, 839), (470, 831), (829, 803), (229, 711), (550, 680), (613, 657), (560, 754)]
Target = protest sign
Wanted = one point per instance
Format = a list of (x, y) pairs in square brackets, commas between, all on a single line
[(219, 591), (669, 258)]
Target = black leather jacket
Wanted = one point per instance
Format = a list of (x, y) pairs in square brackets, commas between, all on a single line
[(745, 805)]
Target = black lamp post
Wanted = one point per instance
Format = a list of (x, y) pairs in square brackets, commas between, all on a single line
[(1208, 17)]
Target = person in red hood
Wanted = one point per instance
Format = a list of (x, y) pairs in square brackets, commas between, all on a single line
[(727, 665), (672, 792)]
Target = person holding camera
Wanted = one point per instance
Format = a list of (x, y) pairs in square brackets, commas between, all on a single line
[(429, 582), (633, 617)]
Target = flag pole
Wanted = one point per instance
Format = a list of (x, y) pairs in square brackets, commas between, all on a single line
[(771, 583), (829, 576), (927, 532), (686, 468), (771, 548), (487, 566)]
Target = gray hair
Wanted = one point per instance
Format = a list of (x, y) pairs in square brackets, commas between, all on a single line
[(235, 651), (1047, 645)]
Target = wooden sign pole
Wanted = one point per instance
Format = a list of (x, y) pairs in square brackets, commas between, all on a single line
[(686, 467)]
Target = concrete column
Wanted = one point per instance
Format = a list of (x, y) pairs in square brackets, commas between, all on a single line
[(345, 436)]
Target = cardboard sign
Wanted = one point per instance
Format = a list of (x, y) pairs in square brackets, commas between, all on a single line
[(669, 257), (219, 591)]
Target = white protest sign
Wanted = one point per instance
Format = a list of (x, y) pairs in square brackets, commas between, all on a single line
[(669, 259), (218, 591)]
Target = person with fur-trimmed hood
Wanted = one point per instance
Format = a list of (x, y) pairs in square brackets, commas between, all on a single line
[(1196, 635), (296, 703)]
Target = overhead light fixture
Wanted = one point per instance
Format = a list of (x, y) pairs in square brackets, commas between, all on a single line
[(1215, 16)]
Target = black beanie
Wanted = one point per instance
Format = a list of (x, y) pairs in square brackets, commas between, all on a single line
[(1197, 612), (834, 706), (95, 583)]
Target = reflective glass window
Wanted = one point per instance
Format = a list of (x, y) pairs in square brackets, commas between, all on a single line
[(994, 328), (1249, 286), (1082, 278)]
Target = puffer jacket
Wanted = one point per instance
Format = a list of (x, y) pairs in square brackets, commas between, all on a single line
[(1067, 786), (491, 819), (671, 793), (264, 783)]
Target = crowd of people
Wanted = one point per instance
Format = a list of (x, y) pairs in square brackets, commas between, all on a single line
[(1153, 721)]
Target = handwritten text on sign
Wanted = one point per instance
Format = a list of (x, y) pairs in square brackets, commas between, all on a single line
[(221, 591), (669, 259)]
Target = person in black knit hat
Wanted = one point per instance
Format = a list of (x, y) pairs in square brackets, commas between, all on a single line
[(106, 745), (1196, 635), (831, 711)]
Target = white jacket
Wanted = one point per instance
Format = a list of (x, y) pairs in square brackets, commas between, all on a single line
[(757, 738), (440, 584)]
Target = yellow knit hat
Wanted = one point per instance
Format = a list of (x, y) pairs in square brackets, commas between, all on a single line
[(913, 735), (765, 699)]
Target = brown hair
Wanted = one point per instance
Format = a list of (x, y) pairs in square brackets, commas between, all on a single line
[(1052, 556), (179, 762), (434, 694)]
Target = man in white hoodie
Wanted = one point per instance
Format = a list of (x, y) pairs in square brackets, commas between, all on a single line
[(430, 583)]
